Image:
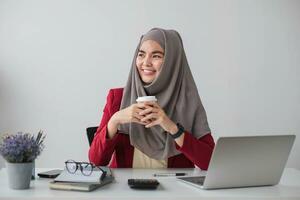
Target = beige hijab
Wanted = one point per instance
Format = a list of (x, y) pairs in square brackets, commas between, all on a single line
[(177, 95)]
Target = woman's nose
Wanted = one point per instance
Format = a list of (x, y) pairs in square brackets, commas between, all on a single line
[(147, 61)]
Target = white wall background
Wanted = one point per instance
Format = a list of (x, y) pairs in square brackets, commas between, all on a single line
[(59, 58)]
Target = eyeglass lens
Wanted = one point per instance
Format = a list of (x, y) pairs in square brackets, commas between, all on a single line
[(85, 168), (71, 166)]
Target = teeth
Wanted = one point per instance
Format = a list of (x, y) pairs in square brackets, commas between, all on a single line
[(148, 71)]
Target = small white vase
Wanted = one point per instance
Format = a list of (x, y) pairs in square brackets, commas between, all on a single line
[(19, 175)]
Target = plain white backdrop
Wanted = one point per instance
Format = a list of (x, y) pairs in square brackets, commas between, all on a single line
[(58, 59)]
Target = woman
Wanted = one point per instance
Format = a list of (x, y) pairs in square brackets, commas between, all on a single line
[(172, 132)]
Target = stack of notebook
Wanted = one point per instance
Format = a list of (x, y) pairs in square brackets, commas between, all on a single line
[(80, 182)]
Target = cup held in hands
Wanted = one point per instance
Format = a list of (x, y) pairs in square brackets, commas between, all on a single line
[(146, 98)]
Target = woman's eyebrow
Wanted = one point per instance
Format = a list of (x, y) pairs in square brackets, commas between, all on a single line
[(153, 52)]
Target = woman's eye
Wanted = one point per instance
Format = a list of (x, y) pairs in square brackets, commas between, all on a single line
[(157, 56)]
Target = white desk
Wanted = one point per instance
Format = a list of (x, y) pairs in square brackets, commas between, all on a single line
[(170, 188)]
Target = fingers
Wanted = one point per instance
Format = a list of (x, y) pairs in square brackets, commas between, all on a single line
[(135, 120), (138, 116), (151, 104), (146, 113), (148, 110), (153, 123), (141, 105), (150, 117), (147, 104), (136, 110), (140, 108)]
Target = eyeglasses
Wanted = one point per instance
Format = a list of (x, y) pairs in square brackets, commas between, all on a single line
[(86, 168)]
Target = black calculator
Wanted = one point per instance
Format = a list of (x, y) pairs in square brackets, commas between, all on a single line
[(138, 183)]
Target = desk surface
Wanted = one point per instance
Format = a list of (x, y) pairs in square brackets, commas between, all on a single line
[(170, 188)]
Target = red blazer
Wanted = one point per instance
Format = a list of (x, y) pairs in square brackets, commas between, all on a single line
[(118, 152)]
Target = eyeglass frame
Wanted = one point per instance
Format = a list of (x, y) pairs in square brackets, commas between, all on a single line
[(79, 164)]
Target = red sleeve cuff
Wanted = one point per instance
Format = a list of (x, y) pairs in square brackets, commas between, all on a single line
[(106, 141), (185, 143), (197, 150)]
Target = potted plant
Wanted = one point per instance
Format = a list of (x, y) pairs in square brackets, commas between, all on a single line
[(20, 150)]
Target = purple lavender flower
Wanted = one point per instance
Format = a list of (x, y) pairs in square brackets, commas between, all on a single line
[(21, 147)]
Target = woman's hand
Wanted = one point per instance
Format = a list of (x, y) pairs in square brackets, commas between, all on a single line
[(153, 115), (130, 114), (124, 116)]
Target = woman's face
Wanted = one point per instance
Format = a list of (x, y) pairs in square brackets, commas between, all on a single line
[(149, 60)]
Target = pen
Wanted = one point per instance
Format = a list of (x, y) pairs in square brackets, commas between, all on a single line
[(169, 174)]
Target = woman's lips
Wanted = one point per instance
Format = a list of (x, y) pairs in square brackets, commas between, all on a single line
[(148, 72)]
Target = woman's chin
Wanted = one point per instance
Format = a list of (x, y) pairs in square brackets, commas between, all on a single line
[(147, 81)]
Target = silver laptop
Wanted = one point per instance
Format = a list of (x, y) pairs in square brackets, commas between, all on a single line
[(245, 161)]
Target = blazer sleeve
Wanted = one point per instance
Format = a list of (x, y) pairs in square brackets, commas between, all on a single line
[(198, 151), (102, 148)]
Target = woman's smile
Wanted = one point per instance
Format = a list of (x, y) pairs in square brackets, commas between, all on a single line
[(148, 72)]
